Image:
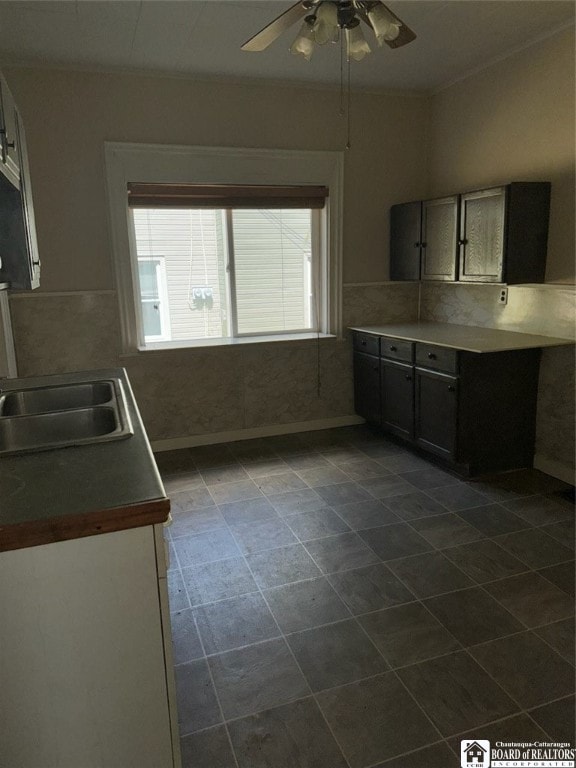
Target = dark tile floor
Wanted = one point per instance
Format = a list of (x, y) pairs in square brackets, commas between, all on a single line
[(338, 602)]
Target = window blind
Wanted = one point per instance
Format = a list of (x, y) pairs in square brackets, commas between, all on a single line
[(149, 195)]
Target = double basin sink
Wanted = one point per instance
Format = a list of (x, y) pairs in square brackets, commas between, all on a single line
[(49, 417)]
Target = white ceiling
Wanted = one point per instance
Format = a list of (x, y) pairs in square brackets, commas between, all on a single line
[(203, 38)]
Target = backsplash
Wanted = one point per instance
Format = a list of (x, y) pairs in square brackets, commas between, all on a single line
[(542, 309), (370, 303), (196, 392)]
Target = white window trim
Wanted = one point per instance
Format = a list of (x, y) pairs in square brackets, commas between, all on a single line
[(220, 165)]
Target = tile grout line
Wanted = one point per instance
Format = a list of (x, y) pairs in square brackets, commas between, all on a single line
[(509, 695), (291, 652), (391, 669), (325, 577), (216, 695), (473, 585)]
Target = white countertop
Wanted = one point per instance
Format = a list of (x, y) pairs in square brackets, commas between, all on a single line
[(469, 338)]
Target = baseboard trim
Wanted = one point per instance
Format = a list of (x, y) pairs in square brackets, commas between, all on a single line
[(248, 434), (555, 468)]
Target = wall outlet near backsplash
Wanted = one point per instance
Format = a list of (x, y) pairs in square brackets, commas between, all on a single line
[(503, 297)]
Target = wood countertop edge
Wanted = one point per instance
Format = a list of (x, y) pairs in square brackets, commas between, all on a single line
[(33, 533)]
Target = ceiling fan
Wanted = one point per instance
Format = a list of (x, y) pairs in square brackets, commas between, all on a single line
[(326, 20)]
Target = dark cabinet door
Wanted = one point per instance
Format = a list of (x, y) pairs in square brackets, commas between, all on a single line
[(397, 390), (436, 409), (367, 387), (439, 238), (405, 241), (482, 234)]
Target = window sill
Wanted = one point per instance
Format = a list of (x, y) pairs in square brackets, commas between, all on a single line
[(171, 346)]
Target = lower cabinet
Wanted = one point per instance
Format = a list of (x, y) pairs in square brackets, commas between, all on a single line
[(367, 387), (397, 398), (435, 412), (476, 412), (86, 669)]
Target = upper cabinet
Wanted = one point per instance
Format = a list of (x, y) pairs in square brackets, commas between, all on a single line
[(439, 236), (496, 235), (405, 241), (9, 159), (19, 259)]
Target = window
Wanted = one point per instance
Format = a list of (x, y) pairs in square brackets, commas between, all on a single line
[(235, 256)]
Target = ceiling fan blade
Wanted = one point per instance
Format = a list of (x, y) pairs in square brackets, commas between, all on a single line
[(261, 40), (406, 35)]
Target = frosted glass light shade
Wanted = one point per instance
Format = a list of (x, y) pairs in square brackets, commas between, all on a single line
[(385, 25), (356, 43), (326, 29), (304, 43)]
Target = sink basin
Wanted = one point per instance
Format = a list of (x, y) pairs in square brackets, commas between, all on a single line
[(48, 399), (45, 418), (53, 430)]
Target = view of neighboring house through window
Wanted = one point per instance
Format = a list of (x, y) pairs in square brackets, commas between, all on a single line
[(154, 298), (224, 272)]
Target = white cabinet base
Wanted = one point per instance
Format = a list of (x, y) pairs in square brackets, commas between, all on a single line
[(83, 674)]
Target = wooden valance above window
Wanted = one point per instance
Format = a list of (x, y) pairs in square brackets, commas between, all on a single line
[(149, 195)]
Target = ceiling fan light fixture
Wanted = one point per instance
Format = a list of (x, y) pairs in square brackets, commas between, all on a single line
[(326, 29), (385, 25), (303, 45), (356, 44)]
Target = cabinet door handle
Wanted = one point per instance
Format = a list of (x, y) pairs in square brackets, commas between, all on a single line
[(393, 349), (431, 356), (363, 343), (424, 245), (451, 388), (408, 378), (375, 368), (416, 245), (463, 242)]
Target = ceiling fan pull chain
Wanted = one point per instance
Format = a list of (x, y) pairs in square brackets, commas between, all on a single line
[(342, 43), (348, 144)]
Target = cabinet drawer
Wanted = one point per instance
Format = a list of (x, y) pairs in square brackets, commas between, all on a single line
[(366, 342), (396, 349), (437, 358)]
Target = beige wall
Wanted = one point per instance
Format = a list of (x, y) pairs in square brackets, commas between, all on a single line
[(68, 116), (198, 392), (514, 122)]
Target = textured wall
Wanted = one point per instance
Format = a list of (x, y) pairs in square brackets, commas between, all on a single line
[(205, 390)]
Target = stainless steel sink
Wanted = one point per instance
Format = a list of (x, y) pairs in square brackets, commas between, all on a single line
[(48, 399), (45, 418)]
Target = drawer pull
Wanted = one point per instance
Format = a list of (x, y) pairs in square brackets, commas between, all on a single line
[(363, 342), (408, 378), (393, 349), (451, 388), (375, 368), (431, 356)]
